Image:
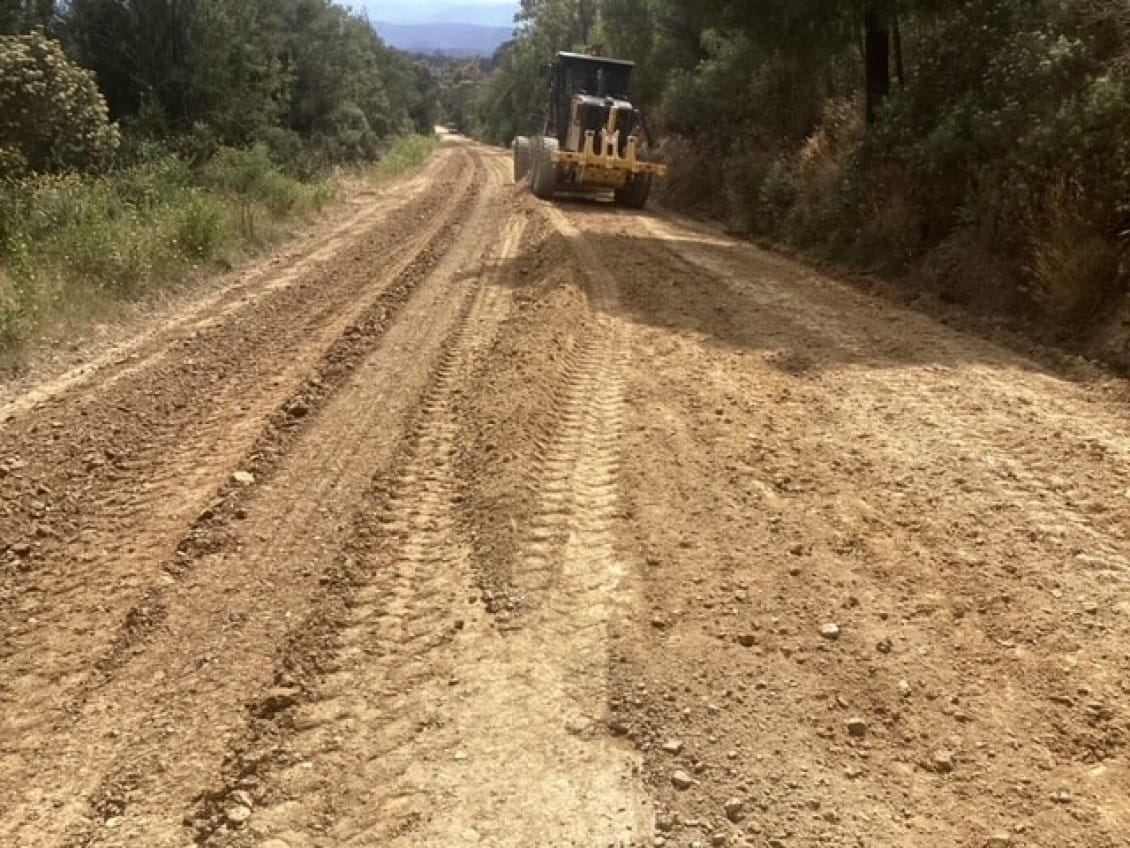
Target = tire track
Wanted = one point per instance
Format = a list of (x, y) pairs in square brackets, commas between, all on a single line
[(43, 668), (540, 698), (536, 697), (589, 415), (219, 603), (403, 618), (419, 578), (415, 733)]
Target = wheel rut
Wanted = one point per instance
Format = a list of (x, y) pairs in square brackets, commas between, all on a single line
[(214, 604), (149, 453), (412, 579), (413, 727)]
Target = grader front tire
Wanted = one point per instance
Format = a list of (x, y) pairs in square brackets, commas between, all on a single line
[(521, 158), (634, 195), (543, 180)]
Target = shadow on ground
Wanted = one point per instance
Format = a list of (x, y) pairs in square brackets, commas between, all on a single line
[(734, 294)]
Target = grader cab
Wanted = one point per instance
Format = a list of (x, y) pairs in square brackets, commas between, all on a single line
[(591, 141)]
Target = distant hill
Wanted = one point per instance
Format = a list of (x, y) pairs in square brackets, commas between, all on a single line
[(490, 14), (494, 15), (451, 39)]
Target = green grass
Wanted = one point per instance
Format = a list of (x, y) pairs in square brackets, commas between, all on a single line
[(404, 153), (73, 249)]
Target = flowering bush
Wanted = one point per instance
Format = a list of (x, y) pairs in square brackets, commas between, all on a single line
[(52, 115)]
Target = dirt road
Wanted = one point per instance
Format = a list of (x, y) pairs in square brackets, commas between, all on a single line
[(471, 520)]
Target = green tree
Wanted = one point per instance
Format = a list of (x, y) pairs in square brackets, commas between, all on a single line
[(19, 16), (167, 66), (296, 73)]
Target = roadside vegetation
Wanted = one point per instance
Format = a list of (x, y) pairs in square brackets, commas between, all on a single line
[(980, 147), (404, 153), (142, 143)]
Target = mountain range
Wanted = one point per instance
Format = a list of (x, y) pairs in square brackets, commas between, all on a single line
[(454, 30), (493, 14)]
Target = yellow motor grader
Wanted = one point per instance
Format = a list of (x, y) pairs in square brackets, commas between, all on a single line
[(591, 140)]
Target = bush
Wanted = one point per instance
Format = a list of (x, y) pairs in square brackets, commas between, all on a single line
[(776, 195), (203, 226), (349, 137), (12, 163), (1001, 170), (52, 115), (744, 175), (251, 174), (72, 246), (83, 232), (294, 156), (153, 183)]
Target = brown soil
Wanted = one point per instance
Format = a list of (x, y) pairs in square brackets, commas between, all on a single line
[(474, 520)]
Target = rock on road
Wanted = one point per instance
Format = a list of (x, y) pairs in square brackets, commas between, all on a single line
[(473, 520)]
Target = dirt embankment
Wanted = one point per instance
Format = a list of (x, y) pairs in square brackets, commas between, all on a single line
[(480, 521)]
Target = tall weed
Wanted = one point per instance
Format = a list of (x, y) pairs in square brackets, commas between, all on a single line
[(10, 310), (1075, 268), (73, 246), (405, 152)]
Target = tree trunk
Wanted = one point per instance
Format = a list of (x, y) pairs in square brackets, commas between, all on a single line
[(900, 66), (877, 60), (586, 20)]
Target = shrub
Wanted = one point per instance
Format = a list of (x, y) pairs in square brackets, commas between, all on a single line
[(84, 233), (203, 226), (777, 194), (251, 174), (52, 115), (13, 164), (349, 137), (237, 171), (294, 156), (322, 194), (73, 246), (744, 171), (153, 183)]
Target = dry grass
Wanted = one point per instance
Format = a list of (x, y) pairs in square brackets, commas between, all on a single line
[(823, 156), (1075, 269)]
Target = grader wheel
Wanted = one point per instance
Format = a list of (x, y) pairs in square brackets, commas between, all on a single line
[(521, 158), (634, 195), (543, 179)]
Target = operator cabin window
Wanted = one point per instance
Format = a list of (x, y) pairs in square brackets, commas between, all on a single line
[(599, 81), (586, 80)]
